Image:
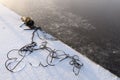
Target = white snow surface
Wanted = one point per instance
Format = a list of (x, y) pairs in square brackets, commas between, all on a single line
[(14, 37)]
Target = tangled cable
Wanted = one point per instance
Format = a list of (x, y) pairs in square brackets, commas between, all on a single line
[(21, 54), (54, 56)]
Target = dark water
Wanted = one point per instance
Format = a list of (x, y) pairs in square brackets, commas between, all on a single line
[(91, 27)]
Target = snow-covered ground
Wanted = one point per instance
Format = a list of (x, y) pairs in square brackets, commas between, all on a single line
[(14, 37)]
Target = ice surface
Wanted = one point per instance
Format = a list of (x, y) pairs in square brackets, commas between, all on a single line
[(14, 37)]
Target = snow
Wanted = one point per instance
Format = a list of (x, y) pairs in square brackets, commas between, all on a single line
[(14, 37)]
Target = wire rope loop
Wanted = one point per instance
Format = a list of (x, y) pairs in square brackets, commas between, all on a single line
[(15, 63)]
